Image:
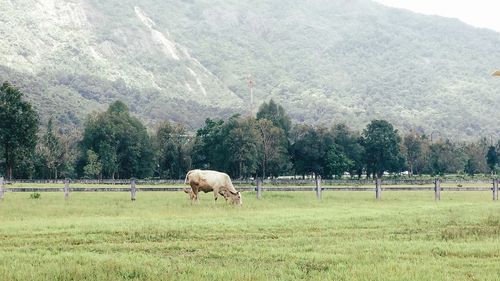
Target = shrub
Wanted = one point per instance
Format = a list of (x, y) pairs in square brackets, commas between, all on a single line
[(35, 195)]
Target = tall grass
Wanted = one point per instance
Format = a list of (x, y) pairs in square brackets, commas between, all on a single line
[(285, 236)]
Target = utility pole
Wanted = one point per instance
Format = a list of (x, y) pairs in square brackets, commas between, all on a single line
[(496, 73)]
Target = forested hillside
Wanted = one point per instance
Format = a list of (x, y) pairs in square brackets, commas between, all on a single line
[(325, 61)]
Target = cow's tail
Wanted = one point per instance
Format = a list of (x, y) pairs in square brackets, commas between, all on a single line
[(186, 181)]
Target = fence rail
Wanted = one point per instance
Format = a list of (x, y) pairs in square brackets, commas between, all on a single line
[(253, 182), (259, 188), (240, 188)]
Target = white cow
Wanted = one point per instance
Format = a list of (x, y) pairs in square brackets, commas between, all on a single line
[(207, 181)]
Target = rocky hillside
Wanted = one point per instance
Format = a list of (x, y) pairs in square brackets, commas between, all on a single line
[(324, 60)]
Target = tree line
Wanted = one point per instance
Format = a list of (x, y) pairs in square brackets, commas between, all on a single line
[(115, 144)]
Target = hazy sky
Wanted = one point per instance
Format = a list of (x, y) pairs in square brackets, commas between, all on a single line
[(480, 13)]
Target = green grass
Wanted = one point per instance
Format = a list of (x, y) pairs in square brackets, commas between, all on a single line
[(285, 236)]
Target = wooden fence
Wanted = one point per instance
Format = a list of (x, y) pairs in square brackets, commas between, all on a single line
[(244, 182), (259, 187)]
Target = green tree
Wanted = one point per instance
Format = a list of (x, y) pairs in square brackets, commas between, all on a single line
[(52, 149), (173, 150), (276, 114), (348, 144), (474, 152), (69, 138), (470, 167), (337, 162), (382, 148), (309, 149), (356, 155), (242, 142), (121, 142), (108, 156), (18, 127), (274, 154), (100, 136), (446, 157), (492, 159), (93, 169), (422, 160), (208, 149), (413, 149)]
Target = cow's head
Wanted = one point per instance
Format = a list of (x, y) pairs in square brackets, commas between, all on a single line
[(236, 198)]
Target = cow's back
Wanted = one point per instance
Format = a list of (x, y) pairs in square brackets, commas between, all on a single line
[(210, 178), (207, 180)]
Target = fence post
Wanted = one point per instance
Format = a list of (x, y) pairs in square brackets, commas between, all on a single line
[(495, 189), (259, 188), (318, 187), (66, 189), (1, 188), (378, 188), (132, 190), (437, 189)]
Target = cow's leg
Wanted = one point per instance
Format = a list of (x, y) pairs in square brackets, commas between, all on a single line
[(223, 194), (216, 193), (190, 193), (194, 198)]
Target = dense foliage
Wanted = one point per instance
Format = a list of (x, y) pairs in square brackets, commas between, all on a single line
[(382, 148), (115, 144), (18, 130), (121, 143), (172, 144), (52, 149)]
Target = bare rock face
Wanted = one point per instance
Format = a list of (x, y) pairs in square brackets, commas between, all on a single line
[(136, 60)]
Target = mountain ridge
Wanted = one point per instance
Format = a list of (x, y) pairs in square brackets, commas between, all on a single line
[(324, 61)]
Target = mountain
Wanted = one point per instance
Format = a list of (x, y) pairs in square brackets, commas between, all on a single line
[(325, 61)]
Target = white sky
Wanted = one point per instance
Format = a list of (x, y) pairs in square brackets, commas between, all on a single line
[(479, 13)]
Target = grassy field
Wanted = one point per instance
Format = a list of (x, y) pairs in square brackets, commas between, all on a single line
[(285, 236)]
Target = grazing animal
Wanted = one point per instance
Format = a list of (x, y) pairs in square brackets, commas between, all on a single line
[(207, 181)]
